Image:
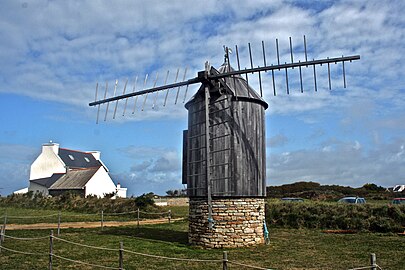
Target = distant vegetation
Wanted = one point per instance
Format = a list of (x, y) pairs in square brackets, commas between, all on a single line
[(336, 216), (318, 192), (321, 211), (73, 202)]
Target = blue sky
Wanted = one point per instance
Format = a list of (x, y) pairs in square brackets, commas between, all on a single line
[(54, 52)]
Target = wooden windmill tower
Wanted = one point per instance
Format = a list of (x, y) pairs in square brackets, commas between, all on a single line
[(224, 159)]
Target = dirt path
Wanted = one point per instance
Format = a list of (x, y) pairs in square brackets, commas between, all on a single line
[(96, 224)]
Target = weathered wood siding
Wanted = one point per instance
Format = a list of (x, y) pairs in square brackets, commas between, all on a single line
[(237, 147)]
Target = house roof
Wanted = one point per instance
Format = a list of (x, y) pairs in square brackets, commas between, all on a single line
[(74, 179), (78, 159), (49, 181)]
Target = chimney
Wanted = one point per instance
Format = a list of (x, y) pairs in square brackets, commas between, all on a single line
[(96, 154), (118, 186), (50, 147)]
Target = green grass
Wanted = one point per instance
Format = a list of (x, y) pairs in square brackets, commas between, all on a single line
[(30, 216), (289, 249)]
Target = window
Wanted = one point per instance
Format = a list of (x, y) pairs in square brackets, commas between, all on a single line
[(71, 157), (86, 159)]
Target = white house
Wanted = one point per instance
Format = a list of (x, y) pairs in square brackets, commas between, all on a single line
[(57, 170)]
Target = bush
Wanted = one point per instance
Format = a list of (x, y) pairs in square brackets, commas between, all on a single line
[(322, 215), (70, 201)]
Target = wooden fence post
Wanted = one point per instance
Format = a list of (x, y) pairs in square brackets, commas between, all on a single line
[(102, 219), (4, 224), (121, 252), (138, 219), (1, 236), (50, 250), (169, 216), (225, 260), (373, 261), (58, 223)]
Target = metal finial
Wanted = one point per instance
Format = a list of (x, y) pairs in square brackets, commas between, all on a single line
[(227, 51)]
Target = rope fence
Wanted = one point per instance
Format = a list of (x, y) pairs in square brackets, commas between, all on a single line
[(97, 217), (373, 264), (84, 263), (224, 261), (52, 254)]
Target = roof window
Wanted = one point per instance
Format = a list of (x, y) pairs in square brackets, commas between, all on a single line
[(71, 157), (86, 159)]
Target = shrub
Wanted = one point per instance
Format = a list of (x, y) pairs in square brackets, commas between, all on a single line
[(71, 201), (321, 215)]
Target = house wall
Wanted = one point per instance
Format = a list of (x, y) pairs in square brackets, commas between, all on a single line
[(47, 163), (121, 192), (38, 188), (100, 184)]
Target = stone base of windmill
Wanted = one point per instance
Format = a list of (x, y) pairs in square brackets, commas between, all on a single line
[(238, 222)]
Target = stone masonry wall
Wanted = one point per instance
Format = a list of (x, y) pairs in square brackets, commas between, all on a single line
[(238, 222)]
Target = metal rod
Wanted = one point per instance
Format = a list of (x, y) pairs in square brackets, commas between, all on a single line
[(126, 103), (227, 74), (264, 54), (157, 92), (108, 104), (229, 69), (98, 109), (133, 92), (291, 52), (150, 90), (285, 65), (302, 89), (286, 81), (95, 98), (274, 83), (154, 85), (237, 56), (260, 85), (250, 56), (330, 83), (167, 93), (146, 96), (344, 74), (247, 82), (178, 89), (105, 95), (305, 49), (116, 103), (316, 88), (278, 54), (185, 93)]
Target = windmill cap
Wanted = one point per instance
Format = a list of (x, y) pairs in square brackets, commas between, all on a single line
[(237, 85)]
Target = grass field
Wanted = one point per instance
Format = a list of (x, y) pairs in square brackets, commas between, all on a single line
[(17, 215), (289, 249)]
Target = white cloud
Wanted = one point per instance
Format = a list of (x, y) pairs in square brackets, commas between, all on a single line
[(346, 163), (57, 51), (155, 168), (15, 160)]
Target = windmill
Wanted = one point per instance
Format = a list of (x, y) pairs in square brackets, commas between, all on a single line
[(224, 163)]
